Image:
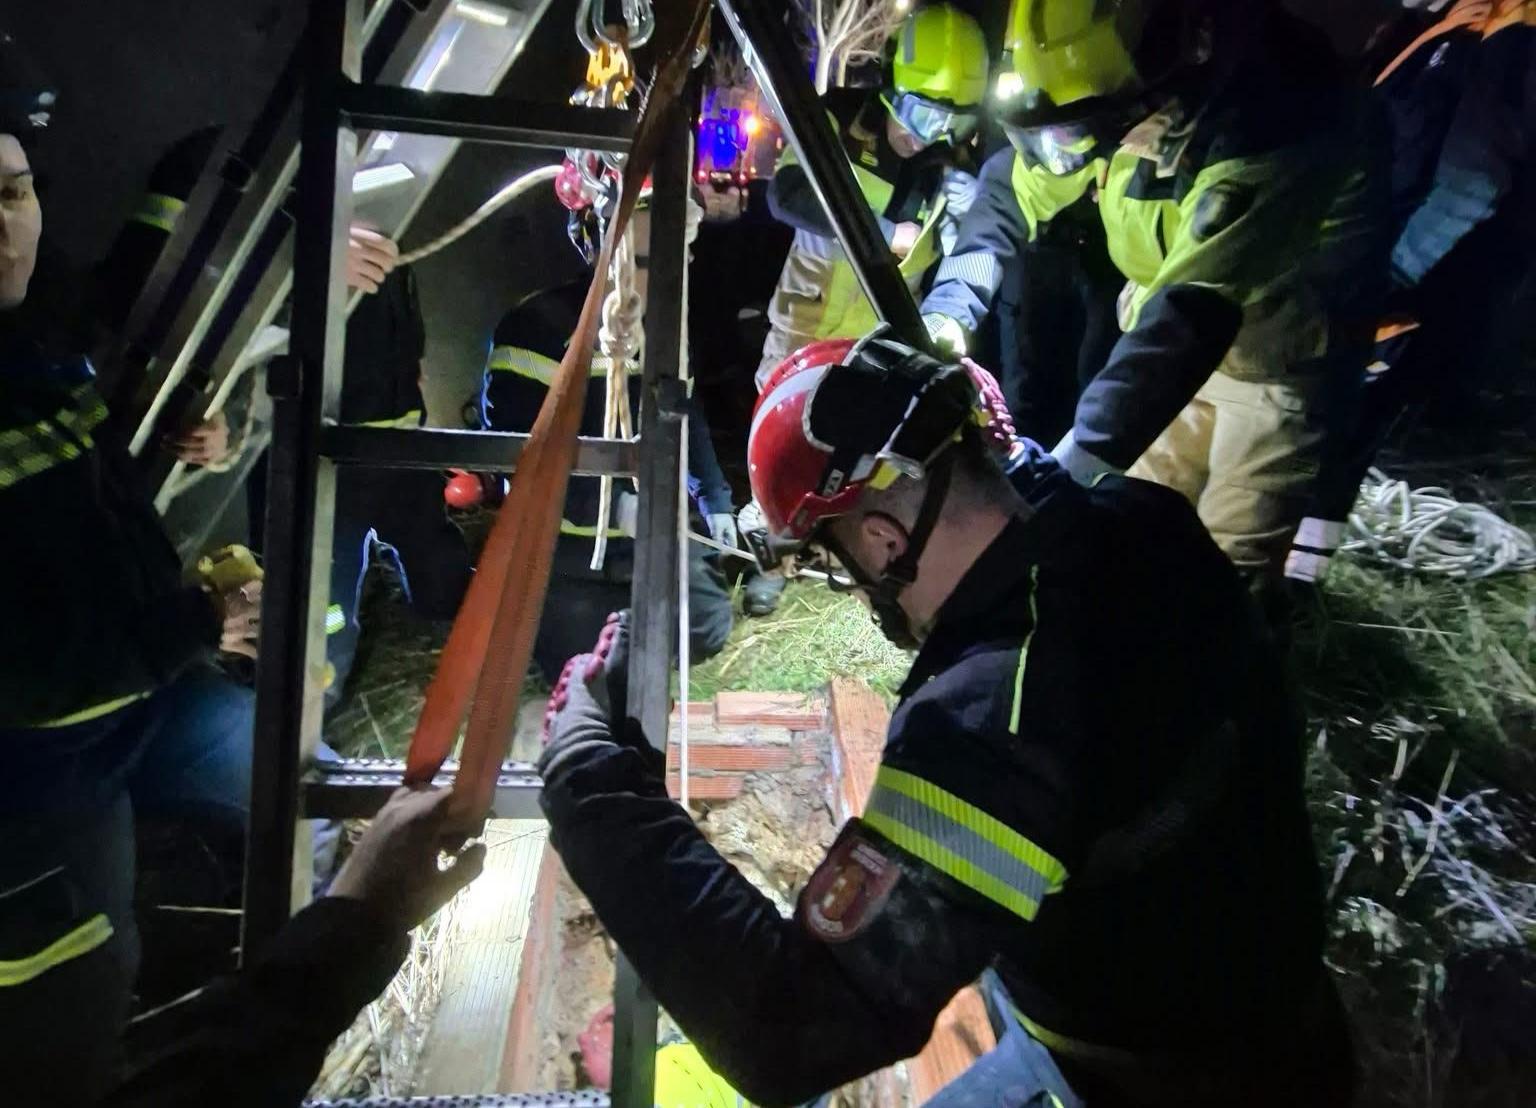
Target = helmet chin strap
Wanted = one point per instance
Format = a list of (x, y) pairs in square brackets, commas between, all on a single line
[(901, 571)]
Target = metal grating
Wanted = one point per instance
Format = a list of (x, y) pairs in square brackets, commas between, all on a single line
[(586, 1098)]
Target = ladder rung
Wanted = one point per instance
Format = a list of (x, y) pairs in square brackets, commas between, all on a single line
[(487, 118), (485, 451), (357, 788)]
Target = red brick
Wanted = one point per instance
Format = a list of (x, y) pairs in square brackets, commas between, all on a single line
[(961, 1034), (750, 734), (699, 711), (859, 721), (797, 711), (741, 759), (723, 787)]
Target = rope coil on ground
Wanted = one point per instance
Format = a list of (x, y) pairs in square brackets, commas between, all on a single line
[(1429, 531)]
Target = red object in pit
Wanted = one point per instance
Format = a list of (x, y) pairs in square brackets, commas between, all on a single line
[(463, 490), (596, 1044), (568, 188)]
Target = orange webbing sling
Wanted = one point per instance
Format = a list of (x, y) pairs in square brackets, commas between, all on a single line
[(491, 643)]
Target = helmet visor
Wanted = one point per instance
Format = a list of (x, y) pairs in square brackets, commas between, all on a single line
[(929, 120)]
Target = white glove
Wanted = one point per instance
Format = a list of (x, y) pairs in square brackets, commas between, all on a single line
[(751, 518), (946, 333), (626, 513), (960, 191), (722, 528)]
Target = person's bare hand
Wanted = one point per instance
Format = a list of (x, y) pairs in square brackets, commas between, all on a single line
[(207, 443), (395, 866), (240, 613), (371, 257), (904, 238)]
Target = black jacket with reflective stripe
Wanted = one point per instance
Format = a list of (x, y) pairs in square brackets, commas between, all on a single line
[(1093, 784), (91, 589)]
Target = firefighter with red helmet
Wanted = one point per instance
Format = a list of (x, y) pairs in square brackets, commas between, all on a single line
[(1091, 790)]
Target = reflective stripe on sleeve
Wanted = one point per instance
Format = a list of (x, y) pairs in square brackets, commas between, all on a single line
[(34, 448), (405, 421), (76, 944), (159, 211), (975, 270), (335, 619), (962, 841), (525, 363), (95, 711)]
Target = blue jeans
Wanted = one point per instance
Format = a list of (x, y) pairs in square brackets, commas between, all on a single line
[(184, 750), (196, 758), (1017, 1073)]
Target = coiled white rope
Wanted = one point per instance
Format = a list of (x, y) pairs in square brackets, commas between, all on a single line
[(1429, 531), (508, 194)]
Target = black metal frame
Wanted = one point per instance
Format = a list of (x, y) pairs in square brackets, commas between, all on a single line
[(487, 451), (307, 445), (776, 62)]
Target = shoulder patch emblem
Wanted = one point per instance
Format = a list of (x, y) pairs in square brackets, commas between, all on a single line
[(1218, 208), (848, 889)]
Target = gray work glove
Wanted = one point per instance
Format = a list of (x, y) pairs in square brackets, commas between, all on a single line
[(722, 528), (586, 714), (960, 191)]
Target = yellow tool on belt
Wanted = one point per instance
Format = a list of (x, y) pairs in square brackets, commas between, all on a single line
[(228, 568)]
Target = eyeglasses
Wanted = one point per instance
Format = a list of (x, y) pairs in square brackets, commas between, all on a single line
[(930, 121)]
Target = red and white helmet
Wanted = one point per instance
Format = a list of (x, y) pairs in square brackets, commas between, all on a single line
[(840, 416)]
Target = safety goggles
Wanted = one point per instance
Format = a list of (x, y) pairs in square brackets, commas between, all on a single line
[(1062, 149), (928, 120)]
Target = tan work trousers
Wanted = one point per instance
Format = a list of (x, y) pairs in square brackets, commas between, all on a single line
[(1245, 454)]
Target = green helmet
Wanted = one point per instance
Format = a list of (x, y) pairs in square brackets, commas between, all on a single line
[(941, 55), (1075, 59)]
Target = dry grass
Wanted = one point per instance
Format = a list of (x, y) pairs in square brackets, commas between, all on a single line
[(815, 635)]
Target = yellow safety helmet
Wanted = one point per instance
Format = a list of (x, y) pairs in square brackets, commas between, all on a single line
[(941, 54), (1075, 59), (938, 74), (685, 1080)]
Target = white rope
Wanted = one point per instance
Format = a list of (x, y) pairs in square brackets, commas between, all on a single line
[(508, 194), (1430, 531), (618, 339)]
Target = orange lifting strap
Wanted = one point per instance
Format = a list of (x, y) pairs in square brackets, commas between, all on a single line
[(488, 650)]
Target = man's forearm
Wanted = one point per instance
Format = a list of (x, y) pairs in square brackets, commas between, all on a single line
[(1155, 369), (770, 1009), (261, 1035)]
